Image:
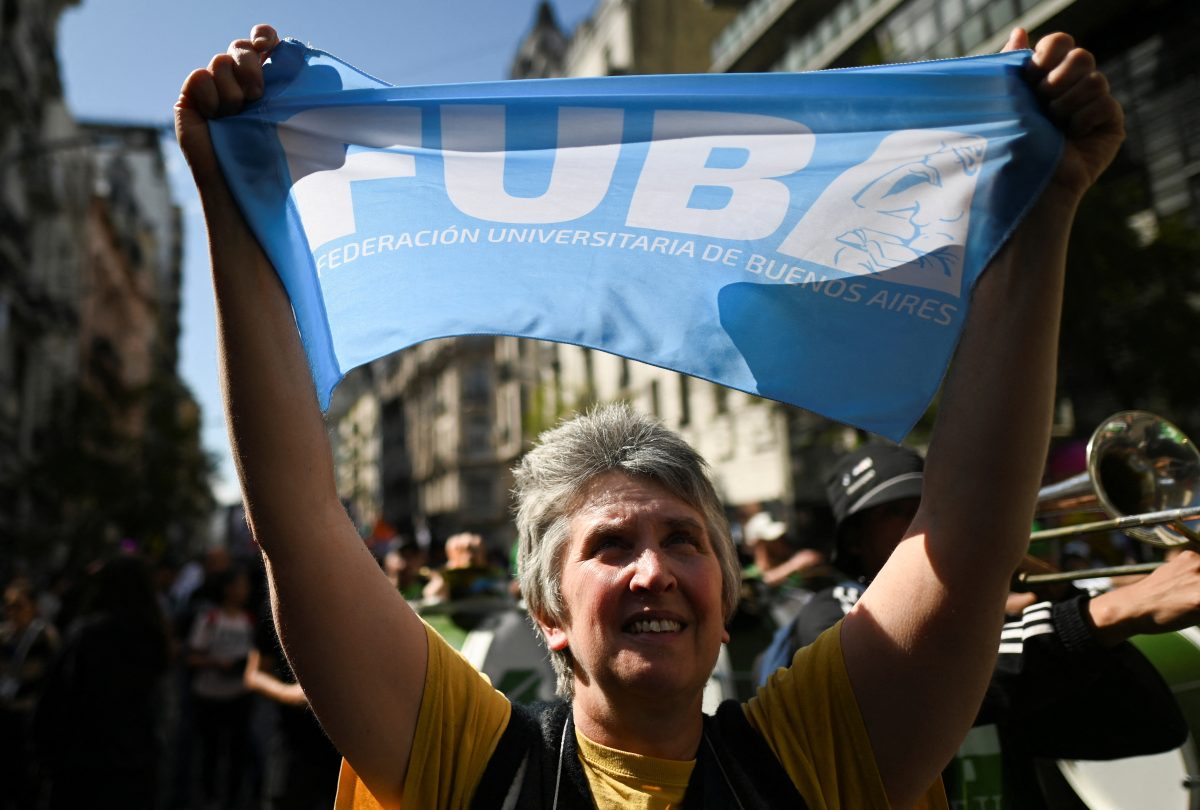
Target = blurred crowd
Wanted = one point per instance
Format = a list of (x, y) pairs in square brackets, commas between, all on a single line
[(148, 681), (151, 682)]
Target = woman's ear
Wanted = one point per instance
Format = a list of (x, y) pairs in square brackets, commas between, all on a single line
[(556, 637)]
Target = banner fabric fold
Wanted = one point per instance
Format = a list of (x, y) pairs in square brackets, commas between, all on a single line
[(812, 238)]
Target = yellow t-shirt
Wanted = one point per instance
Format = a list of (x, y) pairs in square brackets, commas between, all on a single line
[(621, 779), (807, 713), (810, 719)]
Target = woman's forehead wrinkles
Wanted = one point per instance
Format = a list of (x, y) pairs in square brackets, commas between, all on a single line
[(614, 500), (618, 506)]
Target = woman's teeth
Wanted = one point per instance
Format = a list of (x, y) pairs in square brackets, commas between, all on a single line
[(655, 626)]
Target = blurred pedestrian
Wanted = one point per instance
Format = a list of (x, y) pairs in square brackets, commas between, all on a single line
[(302, 764), (467, 571), (218, 645), (776, 560), (190, 596), (28, 644), (98, 720), (404, 563)]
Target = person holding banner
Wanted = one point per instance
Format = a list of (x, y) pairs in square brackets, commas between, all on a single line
[(627, 565)]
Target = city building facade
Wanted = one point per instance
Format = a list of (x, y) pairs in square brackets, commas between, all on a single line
[(453, 421), (99, 437), (1144, 49), (43, 204)]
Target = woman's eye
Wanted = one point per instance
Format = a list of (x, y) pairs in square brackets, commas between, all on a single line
[(603, 544), (684, 539)]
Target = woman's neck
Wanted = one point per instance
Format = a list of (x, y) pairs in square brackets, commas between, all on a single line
[(656, 726)]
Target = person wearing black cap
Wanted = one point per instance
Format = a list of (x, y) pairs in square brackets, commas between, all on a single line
[(873, 493), (1058, 663)]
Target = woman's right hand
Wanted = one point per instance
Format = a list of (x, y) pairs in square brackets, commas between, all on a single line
[(231, 79)]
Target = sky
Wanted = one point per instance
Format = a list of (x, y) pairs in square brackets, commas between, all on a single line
[(111, 72)]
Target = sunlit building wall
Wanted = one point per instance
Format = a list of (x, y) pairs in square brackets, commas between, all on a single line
[(43, 204), (1146, 49)]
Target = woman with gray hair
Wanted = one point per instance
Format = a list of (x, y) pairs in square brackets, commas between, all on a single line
[(554, 477), (627, 562)]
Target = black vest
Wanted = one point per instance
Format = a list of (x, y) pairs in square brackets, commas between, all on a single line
[(537, 758)]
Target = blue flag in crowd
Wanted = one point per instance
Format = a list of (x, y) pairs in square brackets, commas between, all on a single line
[(811, 238)]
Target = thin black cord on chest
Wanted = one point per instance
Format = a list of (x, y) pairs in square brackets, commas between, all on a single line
[(724, 775), (562, 746)]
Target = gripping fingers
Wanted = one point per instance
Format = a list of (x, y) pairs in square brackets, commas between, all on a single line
[(1017, 40), (1076, 66), (1050, 52), (1099, 113), (1076, 97), (230, 80), (1077, 94), (230, 95), (237, 73), (199, 93), (264, 38), (248, 56)]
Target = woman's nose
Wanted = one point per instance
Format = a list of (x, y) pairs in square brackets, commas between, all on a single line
[(652, 572)]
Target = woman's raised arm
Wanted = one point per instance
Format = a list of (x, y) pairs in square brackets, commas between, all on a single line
[(921, 643), (355, 645)]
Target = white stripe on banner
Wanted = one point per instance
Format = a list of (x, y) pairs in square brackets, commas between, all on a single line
[(811, 238)]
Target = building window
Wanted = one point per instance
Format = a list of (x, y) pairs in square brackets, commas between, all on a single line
[(951, 12), (685, 399), (973, 32), (476, 383), (478, 435), (1000, 15), (479, 494)]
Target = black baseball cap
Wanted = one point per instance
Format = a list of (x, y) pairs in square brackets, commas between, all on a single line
[(872, 475)]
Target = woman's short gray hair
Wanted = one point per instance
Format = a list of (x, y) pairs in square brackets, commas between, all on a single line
[(552, 477)]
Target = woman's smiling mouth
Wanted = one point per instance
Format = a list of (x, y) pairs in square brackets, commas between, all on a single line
[(654, 626)]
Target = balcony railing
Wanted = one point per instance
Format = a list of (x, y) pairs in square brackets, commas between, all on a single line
[(966, 28)]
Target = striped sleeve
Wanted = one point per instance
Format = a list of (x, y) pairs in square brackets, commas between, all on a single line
[(1066, 626), (1035, 620)]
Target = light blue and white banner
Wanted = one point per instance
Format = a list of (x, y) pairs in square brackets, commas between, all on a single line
[(812, 238)]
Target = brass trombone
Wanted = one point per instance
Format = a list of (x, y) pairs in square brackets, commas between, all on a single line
[(1144, 474)]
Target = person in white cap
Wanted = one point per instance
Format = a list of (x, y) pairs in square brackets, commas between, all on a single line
[(775, 561)]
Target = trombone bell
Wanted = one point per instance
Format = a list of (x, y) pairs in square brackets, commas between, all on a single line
[(1137, 463)]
